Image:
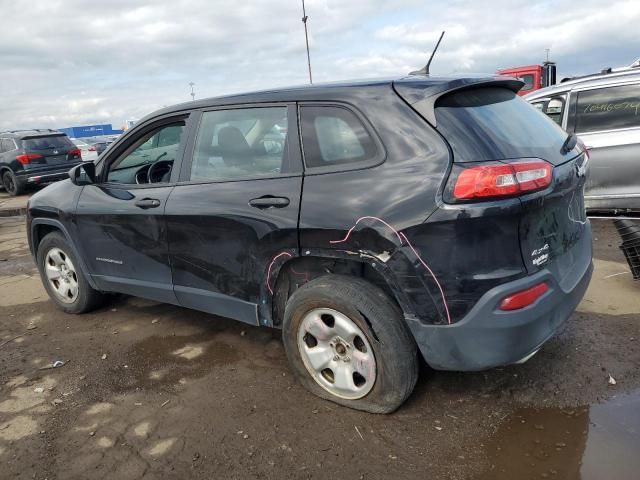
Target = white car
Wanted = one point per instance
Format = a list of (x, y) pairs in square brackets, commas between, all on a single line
[(89, 152)]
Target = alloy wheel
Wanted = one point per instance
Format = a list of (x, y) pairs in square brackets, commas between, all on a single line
[(61, 275)]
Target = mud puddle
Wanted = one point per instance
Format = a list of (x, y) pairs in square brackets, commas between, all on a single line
[(587, 443), (165, 360)]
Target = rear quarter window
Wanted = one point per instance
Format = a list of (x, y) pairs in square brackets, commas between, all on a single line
[(6, 145), (608, 108), (493, 123), (334, 136)]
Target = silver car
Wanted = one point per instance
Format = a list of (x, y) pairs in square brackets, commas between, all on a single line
[(604, 111)]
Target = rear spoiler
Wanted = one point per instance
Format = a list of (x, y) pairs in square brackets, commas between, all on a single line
[(422, 92)]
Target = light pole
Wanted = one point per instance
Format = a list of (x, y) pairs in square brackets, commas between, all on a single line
[(193, 94), (306, 38)]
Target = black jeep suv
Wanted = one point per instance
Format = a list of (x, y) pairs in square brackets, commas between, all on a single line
[(33, 157), (366, 220)]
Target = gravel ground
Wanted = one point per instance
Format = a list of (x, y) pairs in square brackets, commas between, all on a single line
[(155, 391)]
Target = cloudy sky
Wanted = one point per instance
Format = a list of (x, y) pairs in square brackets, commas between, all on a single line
[(78, 62)]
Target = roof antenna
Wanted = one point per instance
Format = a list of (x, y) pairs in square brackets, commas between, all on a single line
[(425, 69)]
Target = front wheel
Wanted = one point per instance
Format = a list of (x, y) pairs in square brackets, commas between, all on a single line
[(347, 342), (62, 277)]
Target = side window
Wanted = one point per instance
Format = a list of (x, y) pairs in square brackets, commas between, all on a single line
[(240, 144), (7, 145), (158, 145), (554, 109), (334, 136), (538, 106), (608, 108)]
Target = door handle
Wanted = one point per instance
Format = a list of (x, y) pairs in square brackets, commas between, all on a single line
[(269, 201), (148, 203)]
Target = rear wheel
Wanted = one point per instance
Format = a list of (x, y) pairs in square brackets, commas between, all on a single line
[(62, 278), (11, 183), (347, 342)]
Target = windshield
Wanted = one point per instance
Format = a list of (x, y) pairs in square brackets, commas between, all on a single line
[(60, 142), (495, 124)]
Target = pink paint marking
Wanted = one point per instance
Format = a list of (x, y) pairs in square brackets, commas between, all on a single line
[(304, 274), (366, 218), (271, 266), (424, 264), (403, 240)]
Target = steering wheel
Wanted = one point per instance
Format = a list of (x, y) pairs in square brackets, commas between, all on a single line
[(156, 164)]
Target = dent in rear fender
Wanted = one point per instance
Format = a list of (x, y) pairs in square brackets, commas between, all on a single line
[(379, 262), (361, 214), (375, 243), (404, 251)]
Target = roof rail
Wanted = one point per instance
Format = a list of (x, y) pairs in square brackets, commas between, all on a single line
[(31, 130), (606, 71)]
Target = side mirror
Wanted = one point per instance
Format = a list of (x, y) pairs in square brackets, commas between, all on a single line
[(83, 174)]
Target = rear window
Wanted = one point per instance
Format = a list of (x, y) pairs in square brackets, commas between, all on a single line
[(495, 124), (61, 142), (608, 108)]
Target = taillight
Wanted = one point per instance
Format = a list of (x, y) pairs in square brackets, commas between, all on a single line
[(92, 149), (75, 152), (497, 179), (27, 157), (523, 298)]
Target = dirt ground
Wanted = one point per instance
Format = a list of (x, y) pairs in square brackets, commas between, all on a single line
[(151, 391)]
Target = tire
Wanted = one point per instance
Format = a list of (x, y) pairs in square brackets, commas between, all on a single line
[(11, 184), (377, 317), (54, 251)]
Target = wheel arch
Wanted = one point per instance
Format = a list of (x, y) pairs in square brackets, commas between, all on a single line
[(40, 227), (295, 271)]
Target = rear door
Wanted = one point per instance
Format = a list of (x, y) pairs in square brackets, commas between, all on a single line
[(235, 208), (607, 120)]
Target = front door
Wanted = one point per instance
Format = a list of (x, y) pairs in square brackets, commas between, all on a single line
[(235, 209), (120, 218)]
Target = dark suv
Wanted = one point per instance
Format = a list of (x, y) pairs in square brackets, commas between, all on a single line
[(33, 157), (366, 220)]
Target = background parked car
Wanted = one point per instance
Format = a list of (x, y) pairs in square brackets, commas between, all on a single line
[(89, 152), (604, 110), (35, 157), (101, 143)]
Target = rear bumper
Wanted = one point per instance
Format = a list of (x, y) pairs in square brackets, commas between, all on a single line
[(39, 177), (487, 337)]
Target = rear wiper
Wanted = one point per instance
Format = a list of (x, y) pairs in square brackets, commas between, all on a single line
[(569, 144)]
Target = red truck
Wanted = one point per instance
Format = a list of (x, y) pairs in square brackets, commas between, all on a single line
[(534, 77)]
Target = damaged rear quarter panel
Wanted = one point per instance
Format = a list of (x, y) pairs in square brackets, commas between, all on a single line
[(396, 196)]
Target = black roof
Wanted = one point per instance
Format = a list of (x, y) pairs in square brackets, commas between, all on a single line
[(35, 132), (415, 88)]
